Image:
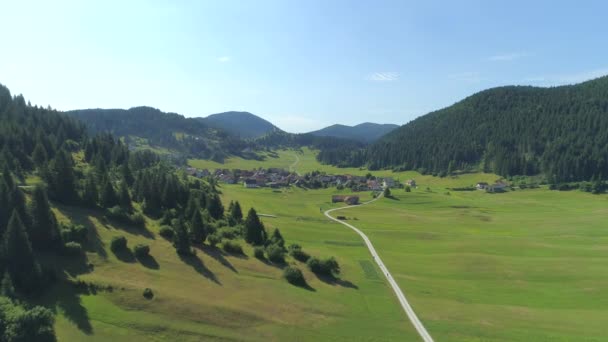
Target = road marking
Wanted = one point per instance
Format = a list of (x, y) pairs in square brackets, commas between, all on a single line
[(424, 334)]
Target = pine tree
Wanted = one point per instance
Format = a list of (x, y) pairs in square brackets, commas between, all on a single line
[(90, 194), (255, 233), (192, 206), (127, 175), (43, 232), (39, 156), (181, 239), (198, 231), (62, 182), (124, 199), (7, 289), (21, 263), (277, 238), (215, 207), (236, 212), (108, 197)]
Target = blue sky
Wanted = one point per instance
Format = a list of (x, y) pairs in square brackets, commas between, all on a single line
[(300, 64)]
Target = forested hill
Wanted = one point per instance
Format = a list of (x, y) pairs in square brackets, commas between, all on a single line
[(159, 129), (365, 132), (561, 132), (240, 124)]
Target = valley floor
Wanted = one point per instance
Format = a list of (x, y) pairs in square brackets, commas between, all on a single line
[(525, 265)]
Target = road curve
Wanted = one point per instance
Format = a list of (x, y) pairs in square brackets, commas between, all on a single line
[(424, 334)]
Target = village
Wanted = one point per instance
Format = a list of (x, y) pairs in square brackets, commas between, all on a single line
[(279, 178)]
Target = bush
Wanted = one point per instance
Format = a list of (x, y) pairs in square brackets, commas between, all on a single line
[(229, 233), (148, 294), (74, 233), (72, 248), (119, 214), (138, 219), (294, 276), (232, 247), (275, 254), (167, 232), (213, 239), (408, 188), (258, 252), (328, 267), (297, 253), (119, 243), (141, 250)]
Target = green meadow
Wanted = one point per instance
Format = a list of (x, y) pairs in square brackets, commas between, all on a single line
[(526, 265)]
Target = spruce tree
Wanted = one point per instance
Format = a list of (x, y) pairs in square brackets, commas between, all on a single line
[(277, 238), (43, 232), (108, 198), (39, 156), (124, 199), (236, 212), (181, 239), (255, 233), (90, 194), (62, 182), (215, 207), (198, 231), (21, 263)]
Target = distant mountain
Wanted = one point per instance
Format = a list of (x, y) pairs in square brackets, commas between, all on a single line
[(240, 124), (146, 126), (560, 132), (366, 132)]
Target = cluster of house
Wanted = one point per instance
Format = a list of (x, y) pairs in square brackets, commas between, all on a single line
[(277, 178), (496, 187)]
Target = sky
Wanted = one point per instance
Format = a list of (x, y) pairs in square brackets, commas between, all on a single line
[(302, 65)]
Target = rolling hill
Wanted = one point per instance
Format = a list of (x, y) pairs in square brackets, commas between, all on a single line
[(151, 127), (559, 132), (365, 132), (240, 124)]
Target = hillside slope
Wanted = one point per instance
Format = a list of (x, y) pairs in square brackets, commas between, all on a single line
[(515, 130), (241, 124), (366, 132), (163, 130)]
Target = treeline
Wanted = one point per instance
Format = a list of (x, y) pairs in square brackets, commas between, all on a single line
[(167, 130), (560, 132)]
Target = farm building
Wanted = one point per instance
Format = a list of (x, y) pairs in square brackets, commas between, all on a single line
[(351, 200)]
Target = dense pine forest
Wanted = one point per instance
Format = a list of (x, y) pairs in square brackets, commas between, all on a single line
[(98, 173), (560, 132)]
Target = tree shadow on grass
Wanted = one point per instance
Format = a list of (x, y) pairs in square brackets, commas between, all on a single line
[(391, 197), (304, 286), (64, 298), (199, 266), (148, 261), (218, 255), (124, 255), (129, 227), (331, 280)]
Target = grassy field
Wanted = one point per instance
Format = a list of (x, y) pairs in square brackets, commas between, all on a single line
[(520, 266), (526, 265), (216, 296)]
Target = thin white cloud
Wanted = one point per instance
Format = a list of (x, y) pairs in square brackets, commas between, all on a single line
[(507, 57), (224, 59), (467, 76), (387, 76), (561, 79)]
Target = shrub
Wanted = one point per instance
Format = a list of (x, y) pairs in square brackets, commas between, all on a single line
[(232, 247), (148, 294), (119, 214), (275, 254), (213, 239), (138, 219), (119, 243), (141, 250), (328, 267), (72, 248), (258, 252), (408, 188), (294, 276), (167, 232), (229, 233), (74, 233), (297, 253)]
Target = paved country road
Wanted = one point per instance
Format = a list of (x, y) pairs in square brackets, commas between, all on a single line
[(426, 337)]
